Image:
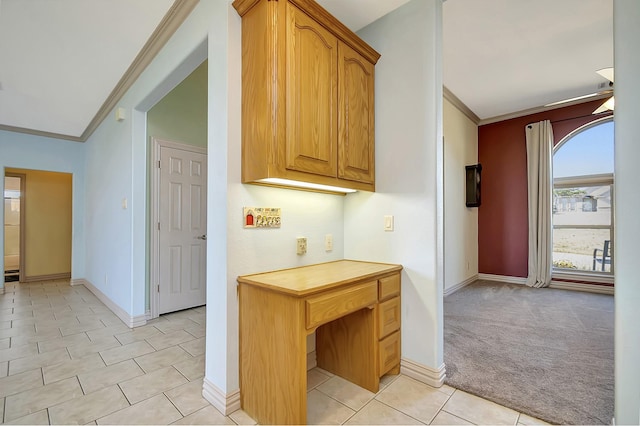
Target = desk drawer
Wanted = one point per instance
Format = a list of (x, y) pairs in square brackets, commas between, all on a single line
[(335, 304), (389, 286), (389, 353), (388, 317)]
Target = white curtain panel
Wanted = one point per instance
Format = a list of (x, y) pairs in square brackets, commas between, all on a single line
[(540, 180)]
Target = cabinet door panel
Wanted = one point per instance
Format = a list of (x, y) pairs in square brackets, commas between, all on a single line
[(311, 95), (355, 116)]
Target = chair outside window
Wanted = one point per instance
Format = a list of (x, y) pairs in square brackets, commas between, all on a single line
[(602, 256)]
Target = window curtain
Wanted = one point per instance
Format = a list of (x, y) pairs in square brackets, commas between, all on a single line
[(539, 138)]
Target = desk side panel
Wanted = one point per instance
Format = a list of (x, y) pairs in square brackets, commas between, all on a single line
[(273, 371), (348, 347)]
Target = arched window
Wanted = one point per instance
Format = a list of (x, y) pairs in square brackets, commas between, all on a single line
[(583, 200)]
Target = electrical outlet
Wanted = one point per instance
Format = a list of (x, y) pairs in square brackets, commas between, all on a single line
[(301, 247), (328, 242)]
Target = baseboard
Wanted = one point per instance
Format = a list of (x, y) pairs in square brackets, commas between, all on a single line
[(78, 281), (130, 320), (312, 361), (225, 403), (49, 277), (460, 285), (590, 288), (503, 278), (422, 373)]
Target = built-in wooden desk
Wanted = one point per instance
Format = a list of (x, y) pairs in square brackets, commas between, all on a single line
[(354, 308)]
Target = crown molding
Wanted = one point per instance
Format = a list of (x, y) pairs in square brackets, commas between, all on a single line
[(41, 133), (448, 95), (172, 20), (539, 109)]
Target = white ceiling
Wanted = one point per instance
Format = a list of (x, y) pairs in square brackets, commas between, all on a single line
[(504, 56), (60, 60)]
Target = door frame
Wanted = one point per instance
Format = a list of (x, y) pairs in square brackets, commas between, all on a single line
[(23, 188), (154, 257)]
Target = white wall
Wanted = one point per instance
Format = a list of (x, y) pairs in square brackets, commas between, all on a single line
[(116, 164), (461, 222), (39, 153), (626, 15), (408, 173), (237, 251)]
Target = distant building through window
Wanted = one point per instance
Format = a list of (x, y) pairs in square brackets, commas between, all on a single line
[(583, 200)]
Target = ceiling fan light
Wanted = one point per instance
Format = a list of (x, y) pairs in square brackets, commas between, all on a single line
[(608, 105)]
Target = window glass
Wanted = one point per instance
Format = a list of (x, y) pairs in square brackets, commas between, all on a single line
[(583, 201), (589, 152)]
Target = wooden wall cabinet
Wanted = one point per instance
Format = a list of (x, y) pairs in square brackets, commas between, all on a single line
[(307, 96)]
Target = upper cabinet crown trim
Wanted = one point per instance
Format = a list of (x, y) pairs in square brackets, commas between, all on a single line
[(317, 12)]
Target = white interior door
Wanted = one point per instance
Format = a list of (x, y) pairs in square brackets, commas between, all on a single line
[(183, 229)]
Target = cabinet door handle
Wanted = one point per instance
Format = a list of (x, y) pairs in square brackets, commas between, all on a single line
[(202, 237)]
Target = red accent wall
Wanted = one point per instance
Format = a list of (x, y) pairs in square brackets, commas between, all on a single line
[(502, 216)]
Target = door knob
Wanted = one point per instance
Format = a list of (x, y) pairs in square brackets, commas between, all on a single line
[(202, 237)]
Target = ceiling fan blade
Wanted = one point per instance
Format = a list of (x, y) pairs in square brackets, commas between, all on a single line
[(608, 105), (579, 98), (606, 73)]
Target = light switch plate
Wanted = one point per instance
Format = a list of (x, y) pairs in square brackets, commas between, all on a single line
[(388, 223)]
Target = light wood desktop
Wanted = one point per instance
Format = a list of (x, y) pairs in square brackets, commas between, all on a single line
[(354, 308)]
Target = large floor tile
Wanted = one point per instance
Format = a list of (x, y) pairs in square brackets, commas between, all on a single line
[(349, 394), (110, 330), (88, 407), (170, 339), (162, 358), (315, 377), (322, 410), (193, 368), (63, 342), (377, 413), (530, 421), (35, 361), (18, 352), (137, 334), (20, 382), (150, 384), (197, 331), (33, 400), (154, 411), (167, 326), (195, 347), (41, 335), (4, 369), (478, 410), (98, 345), (26, 330), (81, 328), (444, 418), (240, 417), (207, 416), (136, 349), (188, 397), (413, 398), (71, 368), (38, 418), (106, 376)]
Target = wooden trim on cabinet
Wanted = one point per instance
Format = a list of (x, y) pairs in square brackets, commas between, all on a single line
[(320, 14)]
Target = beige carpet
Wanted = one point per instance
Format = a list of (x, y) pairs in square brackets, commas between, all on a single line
[(545, 352)]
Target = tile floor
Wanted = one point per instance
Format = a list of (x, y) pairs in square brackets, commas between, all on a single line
[(65, 358)]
